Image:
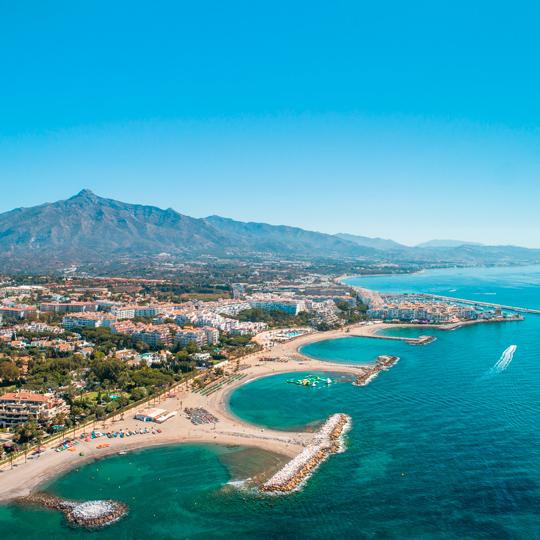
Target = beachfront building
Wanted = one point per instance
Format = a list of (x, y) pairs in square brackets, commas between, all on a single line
[(16, 407), (435, 312), (154, 415), (160, 334)]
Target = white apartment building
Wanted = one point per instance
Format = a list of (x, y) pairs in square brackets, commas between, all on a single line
[(124, 312), (293, 307), (15, 408), (94, 320)]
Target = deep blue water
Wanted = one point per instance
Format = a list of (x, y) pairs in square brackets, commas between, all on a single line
[(440, 448)]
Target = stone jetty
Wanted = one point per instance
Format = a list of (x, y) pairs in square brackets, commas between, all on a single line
[(325, 442), (422, 340), (383, 363), (88, 514)]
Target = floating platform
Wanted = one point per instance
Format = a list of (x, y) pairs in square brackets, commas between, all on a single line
[(311, 380)]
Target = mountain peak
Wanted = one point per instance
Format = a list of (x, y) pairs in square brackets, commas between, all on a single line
[(84, 193)]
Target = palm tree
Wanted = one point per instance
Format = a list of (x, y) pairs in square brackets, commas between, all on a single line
[(24, 448), (14, 450), (39, 440)]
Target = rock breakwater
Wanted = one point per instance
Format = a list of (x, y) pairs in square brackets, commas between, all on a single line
[(383, 363), (88, 514), (326, 442)]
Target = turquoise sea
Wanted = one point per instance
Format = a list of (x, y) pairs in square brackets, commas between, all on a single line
[(442, 446)]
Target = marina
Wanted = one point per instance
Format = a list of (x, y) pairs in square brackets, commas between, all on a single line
[(483, 304)]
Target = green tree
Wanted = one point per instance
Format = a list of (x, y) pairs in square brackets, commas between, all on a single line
[(139, 393), (112, 406), (9, 372), (108, 369)]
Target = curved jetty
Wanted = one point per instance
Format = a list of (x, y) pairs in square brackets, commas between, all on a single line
[(326, 442), (89, 514), (383, 363)]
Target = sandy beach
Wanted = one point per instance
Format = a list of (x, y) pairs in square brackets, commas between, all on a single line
[(26, 477)]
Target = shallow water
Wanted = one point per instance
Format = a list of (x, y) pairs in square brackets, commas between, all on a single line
[(440, 448)]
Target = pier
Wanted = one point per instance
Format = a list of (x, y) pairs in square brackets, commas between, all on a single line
[(421, 340)]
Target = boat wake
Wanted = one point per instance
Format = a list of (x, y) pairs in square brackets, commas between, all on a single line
[(504, 361)]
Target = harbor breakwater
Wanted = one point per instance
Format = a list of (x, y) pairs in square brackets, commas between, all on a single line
[(326, 442), (383, 363), (88, 514)]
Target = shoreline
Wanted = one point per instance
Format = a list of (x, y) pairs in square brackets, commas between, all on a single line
[(26, 478)]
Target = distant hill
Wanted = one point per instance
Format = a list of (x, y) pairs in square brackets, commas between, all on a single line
[(87, 227), (446, 244), (281, 238), (376, 243)]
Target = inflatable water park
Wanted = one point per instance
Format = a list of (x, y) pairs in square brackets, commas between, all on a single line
[(312, 380)]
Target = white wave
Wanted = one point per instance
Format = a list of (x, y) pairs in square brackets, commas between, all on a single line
[(238, 483), (504, 361)]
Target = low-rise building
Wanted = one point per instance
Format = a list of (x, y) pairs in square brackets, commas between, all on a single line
[(154, 415), (16, 407)]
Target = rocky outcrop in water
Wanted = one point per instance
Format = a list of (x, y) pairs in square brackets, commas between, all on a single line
[(88, 514)]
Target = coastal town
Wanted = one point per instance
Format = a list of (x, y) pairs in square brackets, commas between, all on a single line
[(87, 351), (84, 364)]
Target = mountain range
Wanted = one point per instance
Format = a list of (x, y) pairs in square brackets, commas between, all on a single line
[(87, 228), (380, 243)]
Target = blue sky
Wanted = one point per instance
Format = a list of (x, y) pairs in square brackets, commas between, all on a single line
[(405, 120)]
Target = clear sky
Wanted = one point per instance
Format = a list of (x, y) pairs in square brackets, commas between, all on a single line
[(404, 120)]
